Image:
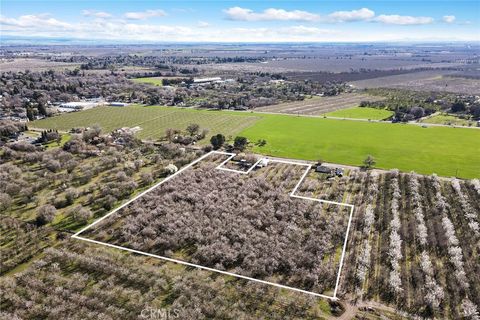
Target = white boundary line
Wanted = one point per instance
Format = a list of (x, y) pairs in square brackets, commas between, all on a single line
[(220, 167), (232, 155)]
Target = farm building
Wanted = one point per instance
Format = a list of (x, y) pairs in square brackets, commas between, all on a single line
[(78, 105), (206, 80), (263, 163), (323, 169), (118, 104)]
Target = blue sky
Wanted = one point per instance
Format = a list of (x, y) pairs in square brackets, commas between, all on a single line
[(244, 21)]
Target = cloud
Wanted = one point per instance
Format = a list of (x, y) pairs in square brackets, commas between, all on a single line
[(142, 15), (402, 20), (96, 14), (119, 30), (242, 14), (354, 15), (448, 19), (34, 21), (304, 31), (44, 25), (363, 14), (203, 24)]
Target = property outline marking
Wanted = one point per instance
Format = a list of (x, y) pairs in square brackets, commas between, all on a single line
[(220, 167)]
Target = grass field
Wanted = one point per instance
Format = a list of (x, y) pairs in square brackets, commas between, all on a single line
[(361, 113), (440, 150), (449, 120), (152, 120), (158, 81), (53, 144)]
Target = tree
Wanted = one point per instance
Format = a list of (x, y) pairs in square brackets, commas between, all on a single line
[(193, 129), (458, 106), (80, 213), (261, 142), (369, 162), (70, 195), (202, 134), (5, 201), (240, 143), (170, 134), (59, 139), (417, 112), (217, 141), (53, 165), (475, 111), (146, 178), (469, 309), (45, 214)]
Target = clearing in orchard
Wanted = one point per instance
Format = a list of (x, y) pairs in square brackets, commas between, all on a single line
[(247, 222)]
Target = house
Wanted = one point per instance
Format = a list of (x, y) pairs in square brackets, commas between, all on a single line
[(323, 169), (263, 163)]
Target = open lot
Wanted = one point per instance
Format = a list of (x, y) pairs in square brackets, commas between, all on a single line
[(442, 150), (33, 64), (333, 64), (206, 214), (361, 113), (157, 81), (320, 105), (448, 120), (435, 80)]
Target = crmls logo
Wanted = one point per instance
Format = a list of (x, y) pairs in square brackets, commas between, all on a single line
[(159, 314)]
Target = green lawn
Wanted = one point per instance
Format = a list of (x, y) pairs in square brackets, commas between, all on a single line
[(158, 81), (53, 144), (440, 150), (448, 120), (361, 113), (153, 120)]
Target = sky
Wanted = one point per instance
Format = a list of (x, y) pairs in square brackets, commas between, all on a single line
[(243, 21)]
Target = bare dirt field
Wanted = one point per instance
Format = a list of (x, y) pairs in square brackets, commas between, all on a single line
[(16, 65), (331, 64), (423, 81), (320, 105)]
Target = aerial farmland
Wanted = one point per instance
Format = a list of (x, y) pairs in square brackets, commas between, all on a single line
[(239, 160)]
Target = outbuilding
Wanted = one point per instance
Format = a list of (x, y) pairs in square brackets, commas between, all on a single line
[(323, 169), (118, 104), (263, 163)]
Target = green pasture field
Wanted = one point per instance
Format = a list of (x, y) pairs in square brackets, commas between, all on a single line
[(448, 120), (361, 113), (442, 150), (157, 81), (153, 120), (53, 144)]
